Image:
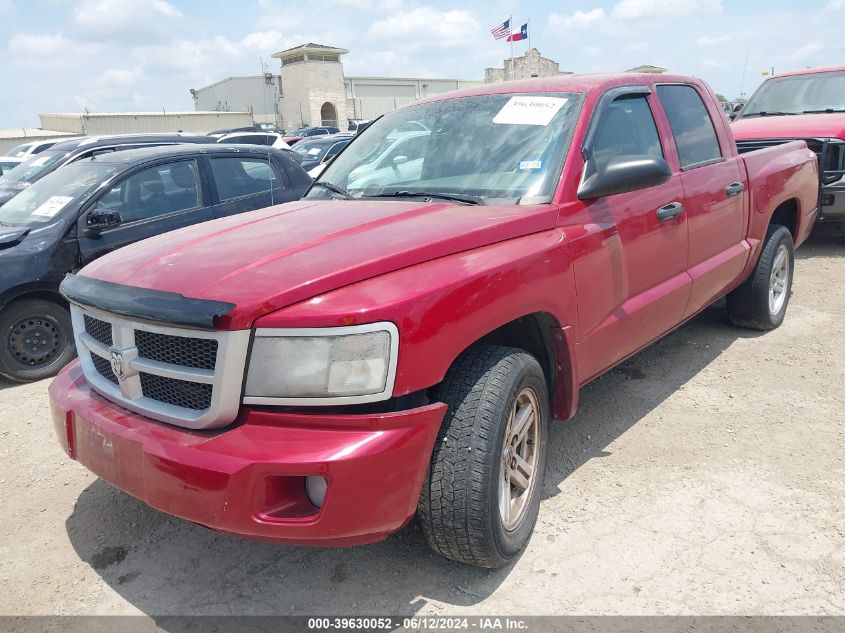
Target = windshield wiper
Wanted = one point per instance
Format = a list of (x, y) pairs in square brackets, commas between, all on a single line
[(343, 193), (769, 113), (824, 111), (454, 197)]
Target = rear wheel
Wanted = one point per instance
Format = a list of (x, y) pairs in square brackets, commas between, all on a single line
[(481, 497), (36, 340), (760, 302)]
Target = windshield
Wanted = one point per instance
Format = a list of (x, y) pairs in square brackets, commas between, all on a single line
[(46, 198), (18, 151), (29, 169), (503, 146), (311, 151), (800, 94)]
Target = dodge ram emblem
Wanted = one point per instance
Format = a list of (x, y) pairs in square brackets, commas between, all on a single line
[(117, 365)]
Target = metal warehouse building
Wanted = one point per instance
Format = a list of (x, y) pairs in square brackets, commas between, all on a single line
[(311, 89)]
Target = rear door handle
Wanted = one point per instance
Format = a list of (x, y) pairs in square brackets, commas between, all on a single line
[(669, 211), (734, 189)]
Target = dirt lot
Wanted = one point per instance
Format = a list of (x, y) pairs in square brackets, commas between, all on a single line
[(705, 476)]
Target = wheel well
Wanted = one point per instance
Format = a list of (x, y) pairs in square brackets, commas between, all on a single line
[(786, 214), (45, 295), (532, 333)]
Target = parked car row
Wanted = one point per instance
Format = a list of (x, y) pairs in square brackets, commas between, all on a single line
[(81, 199)]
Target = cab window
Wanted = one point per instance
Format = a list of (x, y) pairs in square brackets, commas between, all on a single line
[(692, 127), (627, 128)]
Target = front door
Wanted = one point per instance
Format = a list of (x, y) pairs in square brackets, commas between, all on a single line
[(151, 201), (630, 263)]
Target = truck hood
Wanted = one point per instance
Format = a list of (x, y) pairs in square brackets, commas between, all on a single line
[(272, 258), (790, 126)]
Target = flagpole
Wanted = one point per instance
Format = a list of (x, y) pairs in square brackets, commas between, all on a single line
[(510, 37), (529, 33)]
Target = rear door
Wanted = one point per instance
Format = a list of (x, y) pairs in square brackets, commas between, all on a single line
[(151, 201), (712, 177), (630, 265), (245, 183)]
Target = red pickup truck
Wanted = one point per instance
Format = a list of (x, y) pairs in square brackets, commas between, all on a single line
[(398, 342), (807, 105)]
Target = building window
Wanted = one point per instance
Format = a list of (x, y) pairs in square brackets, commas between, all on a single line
[(293, 60), (322, 58)]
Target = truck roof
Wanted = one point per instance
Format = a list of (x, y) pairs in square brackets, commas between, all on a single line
[(563, 83), (809, 71)]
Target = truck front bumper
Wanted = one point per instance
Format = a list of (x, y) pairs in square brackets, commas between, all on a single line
[(249, 479), (832, 207)]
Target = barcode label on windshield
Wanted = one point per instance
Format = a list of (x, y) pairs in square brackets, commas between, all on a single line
[(527, 110)]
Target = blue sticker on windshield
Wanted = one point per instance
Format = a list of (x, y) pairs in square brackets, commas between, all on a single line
[(529, 165)]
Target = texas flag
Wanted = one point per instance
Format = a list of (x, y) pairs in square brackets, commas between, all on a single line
[(522, 35)]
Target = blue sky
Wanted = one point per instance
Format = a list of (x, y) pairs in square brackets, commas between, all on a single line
[(104, 55)]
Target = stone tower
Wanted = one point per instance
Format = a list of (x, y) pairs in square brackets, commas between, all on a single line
[(312, 89)]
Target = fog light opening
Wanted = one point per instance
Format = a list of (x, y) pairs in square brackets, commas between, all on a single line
[(315, 488), (828, 200)]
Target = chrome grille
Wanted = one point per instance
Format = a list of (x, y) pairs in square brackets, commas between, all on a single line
[(186, 377), (103, 368), (177, 350), (99, 330), (180, 393)]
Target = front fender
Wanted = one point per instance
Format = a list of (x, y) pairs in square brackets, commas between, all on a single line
[(442, 307)]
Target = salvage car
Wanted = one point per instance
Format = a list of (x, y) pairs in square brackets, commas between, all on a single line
[(7, 164), (270, 139), (96, 205), (808, 105), (295, 136), (68, 151), (31, 148), (319, 372), (320, 150)]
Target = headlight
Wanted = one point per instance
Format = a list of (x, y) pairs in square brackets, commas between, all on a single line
[(323, 366)]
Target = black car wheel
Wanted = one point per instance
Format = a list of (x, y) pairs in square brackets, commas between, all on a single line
[(37, 340)]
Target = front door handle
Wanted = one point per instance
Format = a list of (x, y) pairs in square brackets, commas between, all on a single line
[(734, 189), (669, 211)]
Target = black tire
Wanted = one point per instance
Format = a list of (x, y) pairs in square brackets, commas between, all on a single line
[(459, 505), (748, 305), (36, 339)]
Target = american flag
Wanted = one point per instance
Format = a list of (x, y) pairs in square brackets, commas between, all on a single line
[(503, 30)]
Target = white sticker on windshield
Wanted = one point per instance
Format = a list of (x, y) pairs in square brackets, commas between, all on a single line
[(528, 110), (39, 161), (50, 208), (313, 151)]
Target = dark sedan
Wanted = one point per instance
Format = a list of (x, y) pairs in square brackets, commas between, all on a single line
[(96, 205), (319, 150), (47, 161)]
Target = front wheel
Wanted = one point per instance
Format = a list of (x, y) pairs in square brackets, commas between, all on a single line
[(36, 340), (760, 302), (481, 496)]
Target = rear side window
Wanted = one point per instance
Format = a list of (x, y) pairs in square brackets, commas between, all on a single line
[(239, 177), (691, 125), (627, 128), (246, 140)]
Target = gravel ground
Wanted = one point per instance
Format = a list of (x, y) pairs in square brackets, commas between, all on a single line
[(704, 476)]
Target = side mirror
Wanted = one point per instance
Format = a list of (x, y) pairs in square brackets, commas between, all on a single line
[(738, 107), (101, 219), (623, 174), (399, 160)]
